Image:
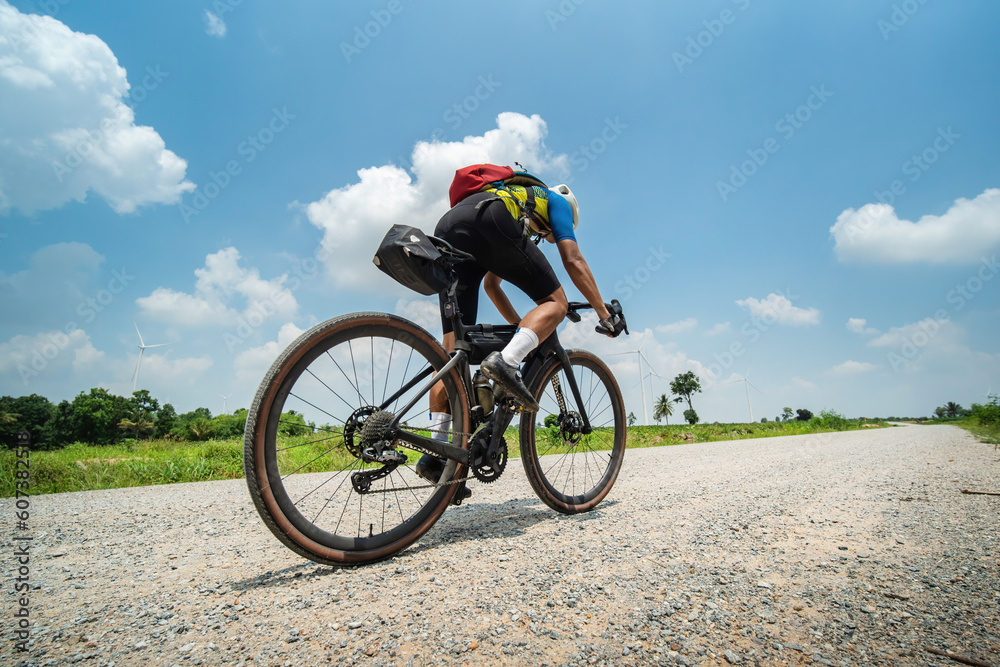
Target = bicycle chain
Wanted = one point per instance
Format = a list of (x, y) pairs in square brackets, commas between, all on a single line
[(416, 448)]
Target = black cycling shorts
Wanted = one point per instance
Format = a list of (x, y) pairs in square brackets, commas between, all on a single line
[(498, 243)]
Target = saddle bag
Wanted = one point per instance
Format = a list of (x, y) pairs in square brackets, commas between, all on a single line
[(409, 257)]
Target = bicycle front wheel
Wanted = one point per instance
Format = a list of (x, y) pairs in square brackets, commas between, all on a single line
[(571, 471), (311, 484)]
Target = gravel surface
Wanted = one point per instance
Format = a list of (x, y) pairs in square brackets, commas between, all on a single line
[(836, 549)]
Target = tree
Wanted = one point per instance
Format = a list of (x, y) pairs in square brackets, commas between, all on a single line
[(803, 415), (953, 409), (24, 413), (293, 423), (684, 385), (143, 409), (763, 420), (631, 419), (786, 415), (59, 431), (691, 416), (166, 419), (96, 416), (663, 409)]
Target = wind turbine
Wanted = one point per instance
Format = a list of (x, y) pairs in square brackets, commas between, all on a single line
[(142, 348), (640, 357), (653, 393), (747, 384), (224, 399)]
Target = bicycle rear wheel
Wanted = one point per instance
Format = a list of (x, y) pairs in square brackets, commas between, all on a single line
[(572, 472), (345, 373)]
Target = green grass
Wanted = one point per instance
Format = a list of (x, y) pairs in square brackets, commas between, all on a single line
[(84, 468), (989, 433)]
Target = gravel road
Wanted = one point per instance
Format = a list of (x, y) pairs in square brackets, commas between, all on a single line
[(837, 549)]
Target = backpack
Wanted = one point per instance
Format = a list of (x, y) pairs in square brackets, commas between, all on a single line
[(412, 260), (478, 177)]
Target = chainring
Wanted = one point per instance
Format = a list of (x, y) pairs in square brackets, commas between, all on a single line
[(478, 463)]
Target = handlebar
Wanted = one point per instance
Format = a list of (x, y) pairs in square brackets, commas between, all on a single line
[(615, 308)]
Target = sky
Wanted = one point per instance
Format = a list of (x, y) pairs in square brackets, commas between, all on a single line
[(806, 195)]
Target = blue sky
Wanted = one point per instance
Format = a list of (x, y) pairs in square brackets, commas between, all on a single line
[(807, 191)]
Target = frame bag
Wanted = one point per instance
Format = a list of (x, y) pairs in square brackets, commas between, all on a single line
[(407, 255)]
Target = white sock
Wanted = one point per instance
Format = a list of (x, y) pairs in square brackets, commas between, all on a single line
[(440, 425), (523, 342)]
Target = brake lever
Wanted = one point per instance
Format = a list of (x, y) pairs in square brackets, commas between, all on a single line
[(616, 309)]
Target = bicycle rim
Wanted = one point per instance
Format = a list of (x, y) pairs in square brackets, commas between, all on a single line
[(569, 471), (337, 375)]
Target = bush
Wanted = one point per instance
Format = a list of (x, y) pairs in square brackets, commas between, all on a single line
[(690, 416), (803, 415), (831, 419), (988, 414)]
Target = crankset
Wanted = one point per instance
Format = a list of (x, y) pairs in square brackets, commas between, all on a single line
[(487, 459)]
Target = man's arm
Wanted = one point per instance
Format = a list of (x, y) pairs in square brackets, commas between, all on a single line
[(579, 272), (491, 283)]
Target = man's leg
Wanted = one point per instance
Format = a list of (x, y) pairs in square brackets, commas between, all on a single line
[(536, 326)]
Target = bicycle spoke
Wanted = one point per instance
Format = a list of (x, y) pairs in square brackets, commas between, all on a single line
[(309, 480)]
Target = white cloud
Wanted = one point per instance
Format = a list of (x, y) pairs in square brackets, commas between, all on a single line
[(70, 131), (214, 25), (860, 326), (250, 365), (923, 332), (47, 354), (675, 328), (355, 217), (219, 284), (964, 233), (852, 368), (778, 309), (425, 312), (720, 328), (59, 364), (799, 383)]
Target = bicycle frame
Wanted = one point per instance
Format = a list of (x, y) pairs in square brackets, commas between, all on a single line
[(464, 350)]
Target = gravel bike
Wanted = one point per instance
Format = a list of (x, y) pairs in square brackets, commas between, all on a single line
[(346, 492)]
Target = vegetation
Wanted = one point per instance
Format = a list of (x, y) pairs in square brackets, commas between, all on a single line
[(99, 417), (664, 408), (981, 420), (685, 385), (132, 462)]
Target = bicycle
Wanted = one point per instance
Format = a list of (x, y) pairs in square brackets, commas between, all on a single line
[(347, 492)]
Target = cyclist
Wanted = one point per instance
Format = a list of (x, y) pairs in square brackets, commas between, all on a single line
[(487, 226)]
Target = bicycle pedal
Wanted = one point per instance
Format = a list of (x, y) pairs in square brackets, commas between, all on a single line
[(463, 493)]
